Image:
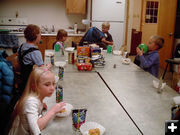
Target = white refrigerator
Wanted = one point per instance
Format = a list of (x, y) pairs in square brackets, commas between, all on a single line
[(114, 12)]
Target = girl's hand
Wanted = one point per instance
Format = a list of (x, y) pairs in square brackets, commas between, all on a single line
[(58, 107), (139, 52), (48, 66)]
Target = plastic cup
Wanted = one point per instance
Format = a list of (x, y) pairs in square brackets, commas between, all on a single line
[(78, 118), (144, 47), (109, 49)]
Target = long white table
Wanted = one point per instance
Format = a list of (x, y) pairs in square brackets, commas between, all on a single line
[(137, 95), (133, 88), (87, 90), (128, 90)]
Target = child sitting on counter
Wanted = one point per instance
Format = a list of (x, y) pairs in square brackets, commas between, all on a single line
[(150, 60), (94, 35), (60, 39)]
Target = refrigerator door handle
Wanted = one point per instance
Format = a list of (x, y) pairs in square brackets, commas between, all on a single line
[(118, 2)]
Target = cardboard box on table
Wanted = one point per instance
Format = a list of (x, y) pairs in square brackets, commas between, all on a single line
[(83, 51), (83, 60)]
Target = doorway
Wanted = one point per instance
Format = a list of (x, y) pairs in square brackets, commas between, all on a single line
[(149, 19), (158, 17)]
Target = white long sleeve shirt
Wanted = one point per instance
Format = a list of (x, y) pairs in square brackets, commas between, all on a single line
[(26, 124)]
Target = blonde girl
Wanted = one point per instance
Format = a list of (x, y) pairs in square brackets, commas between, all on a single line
[(27, 118)]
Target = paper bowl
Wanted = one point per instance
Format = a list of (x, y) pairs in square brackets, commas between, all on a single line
[(126, 61), (176, 100), (156, 84), (69, 49), (60, 63), (117, 52), (84, 129), (68, 108), (49, 53)]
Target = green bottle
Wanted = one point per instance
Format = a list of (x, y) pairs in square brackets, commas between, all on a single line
[(144, 47)]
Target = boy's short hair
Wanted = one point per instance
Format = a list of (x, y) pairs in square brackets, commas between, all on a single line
[(106, 24), (158, 40), (31, 32), (61, 33)]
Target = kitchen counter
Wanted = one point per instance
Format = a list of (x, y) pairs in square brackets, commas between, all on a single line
[(54, 34), (69, 34), (71, 37)]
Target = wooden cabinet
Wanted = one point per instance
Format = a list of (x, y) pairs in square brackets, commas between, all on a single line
[(76, 6), (42, 46), (47, 42), (50, 42), (75, 39)]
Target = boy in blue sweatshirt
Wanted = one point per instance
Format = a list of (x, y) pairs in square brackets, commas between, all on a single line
[(150, 60)]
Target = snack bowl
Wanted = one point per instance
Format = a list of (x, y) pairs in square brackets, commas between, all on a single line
[(69, 49), (49, 53), (117, 52), (156, 84), (176, 100), (126, 61), (84, 129), (68, 107), (60, 63)]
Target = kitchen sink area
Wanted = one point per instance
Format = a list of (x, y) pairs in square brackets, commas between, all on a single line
[(69, 31), (16, 26)]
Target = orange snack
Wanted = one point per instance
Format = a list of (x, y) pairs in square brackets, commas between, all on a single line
[(95, 131), (62, 111)]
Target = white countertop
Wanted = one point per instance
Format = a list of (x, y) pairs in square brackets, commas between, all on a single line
[(69, 34), (54, 34)]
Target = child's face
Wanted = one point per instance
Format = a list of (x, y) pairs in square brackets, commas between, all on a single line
[(38, 38), (46, 85), (105, 29), (151, 45), (64, 39)]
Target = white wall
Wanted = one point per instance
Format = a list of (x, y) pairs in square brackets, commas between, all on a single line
[(130, 24), (41, 12), (137, 14), (134, 19)]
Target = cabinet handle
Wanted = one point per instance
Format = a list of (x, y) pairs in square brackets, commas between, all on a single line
[(171, 34)]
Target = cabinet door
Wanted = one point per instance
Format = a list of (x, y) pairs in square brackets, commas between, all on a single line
[(50, 42), (75, 39), (42, 46), (76, 6)]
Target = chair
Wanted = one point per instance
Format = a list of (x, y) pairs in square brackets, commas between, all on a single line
[(173, 61), (170, 61), (6, 112)]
